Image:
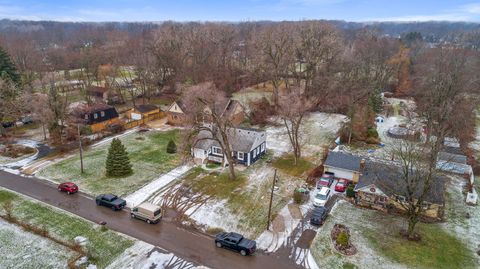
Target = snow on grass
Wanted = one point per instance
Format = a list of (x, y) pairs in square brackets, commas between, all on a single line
[(21, 249), (318, 130), (146, 256), (148, 190), (147, 152), (21, 161)]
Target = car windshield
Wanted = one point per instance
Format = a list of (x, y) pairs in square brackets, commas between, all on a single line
[(324, 180), (321, 196), (157, 212), (342, 183)]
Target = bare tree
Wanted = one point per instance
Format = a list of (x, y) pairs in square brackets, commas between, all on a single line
[(206, 105), (292, 109)]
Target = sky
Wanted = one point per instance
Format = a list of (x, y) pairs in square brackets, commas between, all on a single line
[(237, 10)]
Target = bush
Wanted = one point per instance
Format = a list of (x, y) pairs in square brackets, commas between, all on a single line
[(372, 133), (350, 191), (171, 147), (297, 196), (215, 230), (342, 239), (372, 140)]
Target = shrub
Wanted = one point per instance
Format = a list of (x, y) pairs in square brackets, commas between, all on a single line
[(297, 196), (372, 140), (342, 239), (118, 163), (171, 147), (215, 230), (350, 191), (372, 132)]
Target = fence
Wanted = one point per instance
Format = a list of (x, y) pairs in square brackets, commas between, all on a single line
[(145, 119)]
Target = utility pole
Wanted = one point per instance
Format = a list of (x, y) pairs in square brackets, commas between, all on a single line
[(271, 199), (80, 147)]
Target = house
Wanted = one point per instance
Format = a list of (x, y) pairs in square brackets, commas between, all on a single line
[(176, 113), (248, 145), (235, 112), (102, 94), (380, 187), (143, 111), (343, 165), (99, 116)]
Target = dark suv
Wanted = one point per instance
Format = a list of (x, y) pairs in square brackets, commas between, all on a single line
[(236, 242), (319, 215)]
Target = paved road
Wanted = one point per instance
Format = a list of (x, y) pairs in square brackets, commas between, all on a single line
[(189, 245)]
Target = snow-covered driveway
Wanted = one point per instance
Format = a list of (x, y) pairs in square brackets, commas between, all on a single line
[(146, 191)]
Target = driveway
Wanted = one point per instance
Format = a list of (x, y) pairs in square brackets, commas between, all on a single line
[(187, 244)]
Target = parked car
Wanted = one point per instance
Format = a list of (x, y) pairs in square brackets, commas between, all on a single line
[(236, 242), (8, 124), (325, 180), (68, 187), (321, 197), (148, 212), (110, 200), (319, 215), (27, 120), (342, 184)]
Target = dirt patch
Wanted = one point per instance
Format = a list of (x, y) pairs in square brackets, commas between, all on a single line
[(278, 224), (14, 151), (342, 240), (295, 211)]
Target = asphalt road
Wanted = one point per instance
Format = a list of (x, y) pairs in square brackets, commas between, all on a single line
[(189, 245)]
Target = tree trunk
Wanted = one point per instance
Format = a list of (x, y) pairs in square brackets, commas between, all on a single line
[(412, 222)]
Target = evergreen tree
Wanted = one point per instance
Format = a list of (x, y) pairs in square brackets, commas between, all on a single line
[(7, 68), (118, 163), (375, 101), (171, 147)]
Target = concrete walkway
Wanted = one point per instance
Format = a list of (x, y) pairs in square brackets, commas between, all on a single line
[(154, 186)]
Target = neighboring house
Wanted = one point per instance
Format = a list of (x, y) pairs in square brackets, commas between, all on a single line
[(343, 165), (248, 145), (99, 117), (143, 111), (455, 163), (235, 112), (380, 187), (176, 113), (102, 94)]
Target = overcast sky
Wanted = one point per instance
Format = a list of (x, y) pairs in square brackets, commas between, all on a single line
[(236, 10)]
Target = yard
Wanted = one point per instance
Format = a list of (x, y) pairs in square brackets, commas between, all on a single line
[(21, 249), (376, 236), (147, 152)]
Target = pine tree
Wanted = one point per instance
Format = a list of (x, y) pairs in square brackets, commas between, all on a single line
[(171, 147), (118, 163), (7, 68)]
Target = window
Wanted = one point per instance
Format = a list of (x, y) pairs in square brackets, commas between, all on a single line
[(401, 199), (86, 116), (425, 205), (240, 155), (102, 114), (263, 147), (217, 150), (254, 153), (258, 150), (95, 115)]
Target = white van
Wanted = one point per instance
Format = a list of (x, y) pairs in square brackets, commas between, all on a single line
[(148, 212)]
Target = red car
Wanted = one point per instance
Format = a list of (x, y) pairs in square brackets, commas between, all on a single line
[(342, 184), (68, 187), (325, 181)]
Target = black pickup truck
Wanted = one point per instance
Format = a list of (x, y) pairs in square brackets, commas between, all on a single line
[(236, 242), (110, 200)]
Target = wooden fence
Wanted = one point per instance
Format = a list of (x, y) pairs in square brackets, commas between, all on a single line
[(145, 119)]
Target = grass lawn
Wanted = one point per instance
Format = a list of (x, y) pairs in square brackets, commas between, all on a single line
[(286, 165), (104, 246), (376, 236), (248, 204), (147, 152)]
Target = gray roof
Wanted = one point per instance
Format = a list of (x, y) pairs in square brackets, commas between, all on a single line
[(343, 160), (388, 179), (452, 158), (242, 140)]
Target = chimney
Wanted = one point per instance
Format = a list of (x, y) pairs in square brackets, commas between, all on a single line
[(362, 165)]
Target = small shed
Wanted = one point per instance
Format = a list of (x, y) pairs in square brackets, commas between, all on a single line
[(143, 111)]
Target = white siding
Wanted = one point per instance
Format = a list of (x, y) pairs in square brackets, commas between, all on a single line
[(340, 172)]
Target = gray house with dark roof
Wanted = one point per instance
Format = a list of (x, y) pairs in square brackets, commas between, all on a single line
[(343, 165), (248, 145), (381, 187)]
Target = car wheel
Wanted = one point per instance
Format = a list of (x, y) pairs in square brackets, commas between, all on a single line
[(148, 221), (98, 202), (69, 193), (59, 189), (243, 252), (113, 208), (219, 245), (133, 216)]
